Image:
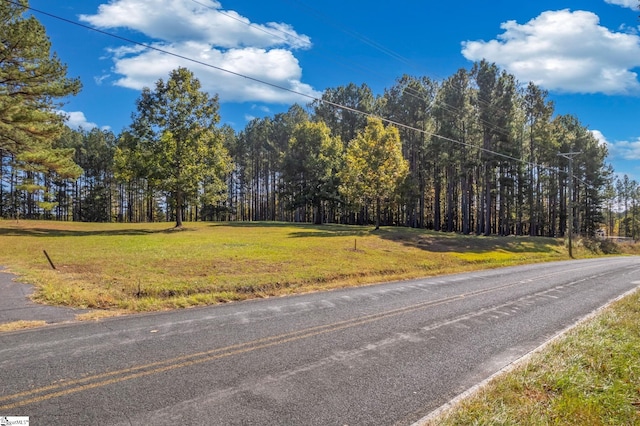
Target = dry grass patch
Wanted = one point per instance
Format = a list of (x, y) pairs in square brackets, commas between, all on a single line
[(21, 325), (144, 267), (98, 314)]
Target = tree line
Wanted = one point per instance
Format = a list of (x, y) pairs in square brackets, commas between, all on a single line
[(474, 153)]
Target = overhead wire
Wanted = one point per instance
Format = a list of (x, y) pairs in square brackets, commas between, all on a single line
[(406, 90), (389, 52), (393, 54), (409, 91), (276, 86), (416, 94), (354, 34), (355, 67)]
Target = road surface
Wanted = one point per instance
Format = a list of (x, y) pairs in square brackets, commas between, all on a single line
[(15, 304), (378, 355)]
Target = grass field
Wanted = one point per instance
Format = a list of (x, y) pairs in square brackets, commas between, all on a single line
[(145, 267)]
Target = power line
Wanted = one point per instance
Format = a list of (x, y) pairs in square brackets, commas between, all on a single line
[(276, 86), (252, 25), (157, 49), (390, 52), (356, 35), (355, 67), (410, 91), (393, 54)]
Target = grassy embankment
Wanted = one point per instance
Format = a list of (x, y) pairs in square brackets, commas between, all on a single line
[(145, 267), (591, 376)]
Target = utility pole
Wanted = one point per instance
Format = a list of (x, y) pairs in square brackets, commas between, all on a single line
[(569, 156)]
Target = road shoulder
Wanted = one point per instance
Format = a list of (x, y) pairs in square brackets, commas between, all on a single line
[(16, 304)]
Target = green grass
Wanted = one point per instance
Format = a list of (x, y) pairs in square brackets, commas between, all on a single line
[(591, 376), (145, 267)]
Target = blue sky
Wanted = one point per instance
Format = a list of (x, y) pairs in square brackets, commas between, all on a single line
[(585, 53)]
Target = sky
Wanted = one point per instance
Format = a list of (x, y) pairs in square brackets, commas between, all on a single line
[(260, 57)]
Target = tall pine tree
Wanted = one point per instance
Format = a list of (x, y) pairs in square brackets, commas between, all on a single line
[(31, 78), (176, 127)]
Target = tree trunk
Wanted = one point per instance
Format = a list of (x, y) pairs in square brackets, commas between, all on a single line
[(479, 195), (318, 220), (179, 202), (451, 192), (466, 205), (1, 184), (487, 201), (437, 220)]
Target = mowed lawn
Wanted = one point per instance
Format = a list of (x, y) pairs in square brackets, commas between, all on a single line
[(145, 267)]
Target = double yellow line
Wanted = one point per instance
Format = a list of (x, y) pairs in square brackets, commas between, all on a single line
[(64, 388)]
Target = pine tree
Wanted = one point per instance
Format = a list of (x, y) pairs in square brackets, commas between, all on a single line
[(176, 128), (30, 80), (311, 166), (410, 102), (345, 122)]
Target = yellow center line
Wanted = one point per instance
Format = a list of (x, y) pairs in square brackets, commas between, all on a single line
[(108, 378), (195, 361)]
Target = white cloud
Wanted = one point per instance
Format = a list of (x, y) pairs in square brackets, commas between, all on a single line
[(626, 150), (600, 137), (564, 51), (202, 31), (202, 20), (623, 150), (276, 66), (262, 108), (100, 79), (77, 120), (631, 4)]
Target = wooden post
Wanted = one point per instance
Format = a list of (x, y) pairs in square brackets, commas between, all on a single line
[(49, 259)]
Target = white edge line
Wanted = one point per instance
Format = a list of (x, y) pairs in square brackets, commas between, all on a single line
[(512, 366)]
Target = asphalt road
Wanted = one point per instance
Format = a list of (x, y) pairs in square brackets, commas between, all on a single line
[(378, 355), (15, 304)]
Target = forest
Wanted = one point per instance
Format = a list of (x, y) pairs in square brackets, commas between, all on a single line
[(476, 153)]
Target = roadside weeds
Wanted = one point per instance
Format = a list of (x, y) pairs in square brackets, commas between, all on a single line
[(588, 376)]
